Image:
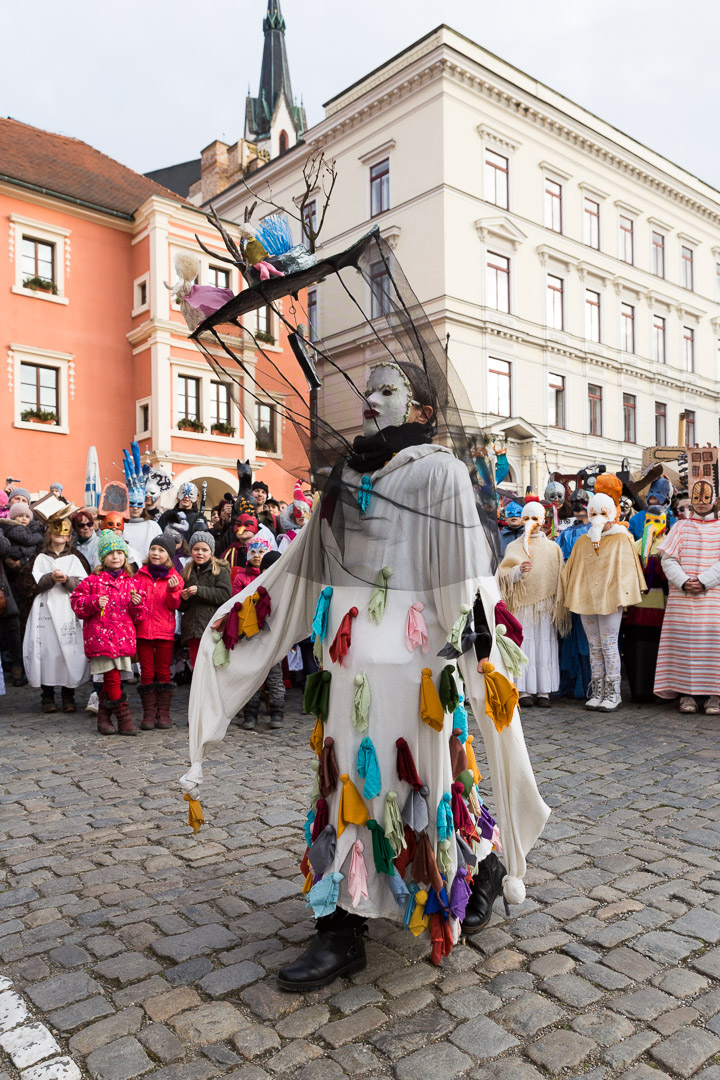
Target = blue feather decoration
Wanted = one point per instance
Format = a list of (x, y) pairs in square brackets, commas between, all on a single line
[(274, 234)]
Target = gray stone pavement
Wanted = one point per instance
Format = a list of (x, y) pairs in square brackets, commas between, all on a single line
[(137, 949)]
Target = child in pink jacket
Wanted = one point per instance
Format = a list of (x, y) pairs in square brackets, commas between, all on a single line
[(110, 607), (161, 587)]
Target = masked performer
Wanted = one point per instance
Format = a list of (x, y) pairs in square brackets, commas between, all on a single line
[(689, 657), (530, 579), (643, 623), (602, 576)]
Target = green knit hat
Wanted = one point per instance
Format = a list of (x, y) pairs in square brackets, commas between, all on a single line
[(110, 541)]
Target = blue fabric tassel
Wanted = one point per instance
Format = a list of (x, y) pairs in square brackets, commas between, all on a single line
[(398, 888), (445, 823), (367, 766), (364, 493), (322, 611), (323, 896), (460, 720), (308, 826), (437, 904), (410, 903)]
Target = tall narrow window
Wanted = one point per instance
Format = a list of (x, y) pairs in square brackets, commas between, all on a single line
[(380, 188), (309, 217), (499, 393), (38, 261), (595, 409), (379, 290), (686, 264), (264, 323), (188, 398), (629, 408), (218, 277), (219, 403), (496, 179), (312, 315), (283, 142), (690, 438), (658, 339), (689, 348), (38, 390), (265, 427), (658, 254), (497, 281), (591, 223), (660, 423), (556, 400), (553, 206), (627, 328), (592, 315), (627, 238), (554, 306)]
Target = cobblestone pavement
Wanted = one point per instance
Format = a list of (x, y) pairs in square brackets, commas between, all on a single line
[(131, 948)]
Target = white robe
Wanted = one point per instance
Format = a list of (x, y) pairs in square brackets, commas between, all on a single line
[(139, 535), (439, 556), (53, 652)]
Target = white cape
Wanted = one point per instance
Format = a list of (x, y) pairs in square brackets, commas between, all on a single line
[(53, 651)]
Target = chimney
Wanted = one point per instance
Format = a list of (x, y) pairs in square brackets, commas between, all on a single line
[(214, 169)]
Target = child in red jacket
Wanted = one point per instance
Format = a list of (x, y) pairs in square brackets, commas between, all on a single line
[(244, 575), (161, 587), (109, 605)]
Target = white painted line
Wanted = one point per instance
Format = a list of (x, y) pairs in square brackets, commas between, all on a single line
[(28, 1044), (27, 1041)]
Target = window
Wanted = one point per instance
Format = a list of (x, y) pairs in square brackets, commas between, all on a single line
[(627, 328), (144, 417), (591, 223), (496, 179), (629, 429), (142, 294), (312, 315), (39, 390), (686, 267), (556, 400), (592, 315), (689, 348), (658, 254), (380, 188), (499, 396), (265, 427), (690, 427), (658, 342), (188, 398), (595, 408), (717, 281), (264, 321), (554, 302), (660, 423), (627, 247), (553, 206), (309, 217), (379, 290), (497, 281), (38, 260), (218, 277), (283, 141), (219, 403)]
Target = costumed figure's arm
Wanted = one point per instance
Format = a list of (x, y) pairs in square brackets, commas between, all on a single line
[(464, 552), (44, 583), (710, 578), (672, 569), (293, 584)]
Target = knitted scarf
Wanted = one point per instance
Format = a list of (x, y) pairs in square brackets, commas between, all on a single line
[(538, 590)]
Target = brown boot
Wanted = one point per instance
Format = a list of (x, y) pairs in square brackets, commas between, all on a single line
[(149, 704), (121, 709), (68, 699), (47, 701), (104, 722), (164, 698)]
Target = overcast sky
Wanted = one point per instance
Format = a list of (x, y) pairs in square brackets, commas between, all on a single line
[(151, 82)]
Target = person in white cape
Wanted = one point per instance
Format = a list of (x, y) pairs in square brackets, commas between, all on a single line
[(412, 545), (53, 651)]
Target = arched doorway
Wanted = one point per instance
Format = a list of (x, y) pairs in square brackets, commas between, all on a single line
[(218, 482)]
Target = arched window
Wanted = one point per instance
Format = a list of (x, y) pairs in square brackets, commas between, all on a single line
[(283, 141)]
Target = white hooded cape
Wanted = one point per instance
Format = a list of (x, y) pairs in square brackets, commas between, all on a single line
[(53, 652)]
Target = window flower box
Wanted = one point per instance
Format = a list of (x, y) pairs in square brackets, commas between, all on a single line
[(222, 429), (264, 335), (187, 423), (38, 284), (38, 416)]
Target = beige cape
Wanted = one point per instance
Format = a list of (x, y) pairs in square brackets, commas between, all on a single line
[(598, 584), (539, 590)]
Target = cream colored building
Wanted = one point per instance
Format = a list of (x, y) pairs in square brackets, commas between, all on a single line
[(576, 272)]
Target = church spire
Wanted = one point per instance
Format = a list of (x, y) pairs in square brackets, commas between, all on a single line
[(274, 81)]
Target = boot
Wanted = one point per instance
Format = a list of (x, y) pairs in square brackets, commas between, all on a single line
[(596, 690), (337, 949), (104, 720), (276, 720), (121, 708), (250, 716), (164, 692), (18, 675), (487, 886), (47, 700), (68, 699), (611, 698), (149, 704)]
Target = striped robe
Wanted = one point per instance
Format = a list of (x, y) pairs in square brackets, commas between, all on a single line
[(689, 654)]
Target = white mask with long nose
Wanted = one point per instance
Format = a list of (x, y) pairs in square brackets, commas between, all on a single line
[(533, 517), (601, 512)]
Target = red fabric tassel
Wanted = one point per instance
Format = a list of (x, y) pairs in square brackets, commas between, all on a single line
[(263, 607), (424, 867), (406, 766), (513, 626), (328, 771), (321, 818), (441, 937), (341, 645), (231, 630), (305, 866), (406, 855), (462, 819), (458, 757)]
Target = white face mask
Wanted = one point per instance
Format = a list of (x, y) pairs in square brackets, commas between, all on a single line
[(601, 512), (533, 517), (388, 399)]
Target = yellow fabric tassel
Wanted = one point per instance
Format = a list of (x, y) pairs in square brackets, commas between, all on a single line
[(317, 738), (501, 697), (472, 760), (307, 883), (431, 710), (247, 617), (419, 920), (195, 814), (353, 810)]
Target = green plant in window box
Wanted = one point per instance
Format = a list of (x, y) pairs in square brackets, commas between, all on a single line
[(38, 416), (265, 441), (264, 335), (187, 423), (222, 428), (39, 284)]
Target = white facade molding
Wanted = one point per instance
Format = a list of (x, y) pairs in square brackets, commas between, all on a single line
[(591, 191), (661, 226), (626, 208), (492, 137), (587, 269), (622, 283), (554, 172), (502, 228), (548, 253), (377, 153), (391, 235), (48, 233), (63, 363), (691, 241)]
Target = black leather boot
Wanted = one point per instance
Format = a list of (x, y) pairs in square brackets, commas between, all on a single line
[(487, 886), (337, 949)]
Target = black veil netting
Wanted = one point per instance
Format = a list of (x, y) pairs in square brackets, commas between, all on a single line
[(323, 399)]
